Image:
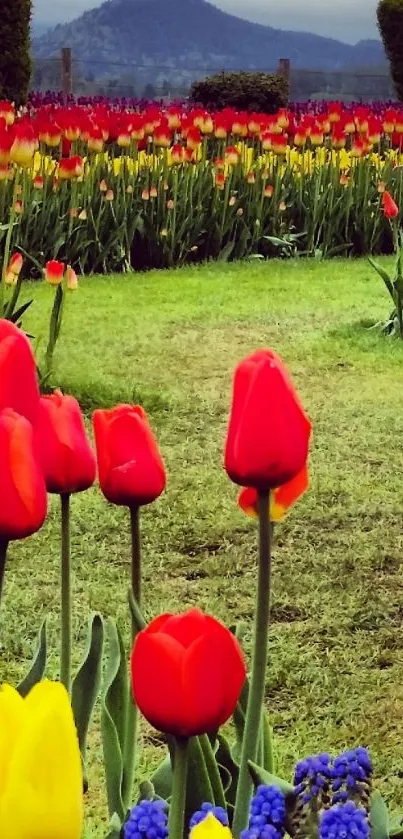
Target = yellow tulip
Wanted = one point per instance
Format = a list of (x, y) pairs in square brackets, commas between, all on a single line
[(41, 785), (210, 828)]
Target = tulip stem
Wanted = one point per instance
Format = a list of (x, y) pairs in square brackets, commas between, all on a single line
[(9, 235), (178, 800), (253, 719), (136, 559), (130, 747), (65, 657), (3, 557)]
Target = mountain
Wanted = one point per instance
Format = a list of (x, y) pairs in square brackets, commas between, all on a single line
[(188, 38)]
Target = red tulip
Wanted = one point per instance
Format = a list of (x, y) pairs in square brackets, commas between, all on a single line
[(131, 470), (187, 673), (390, 208), (18, 380), (281, 499), (68, 461), (268, 434), (54, 272), (22, 487)]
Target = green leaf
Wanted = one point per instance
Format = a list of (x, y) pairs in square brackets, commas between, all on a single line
[(114, 827), (87, 682), (162, 779), (261, 776), (379, 817), (229, 769), (38, 666), (114, 717), (136, 613), (226, 252), (385, 276), (212, 770), (267, 743)]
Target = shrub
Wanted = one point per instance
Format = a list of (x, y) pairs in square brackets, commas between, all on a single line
[(390, 22), (244, 91), (15, 61)]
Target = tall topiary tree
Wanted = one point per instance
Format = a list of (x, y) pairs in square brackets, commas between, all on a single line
[(390, 22), (15, 58)]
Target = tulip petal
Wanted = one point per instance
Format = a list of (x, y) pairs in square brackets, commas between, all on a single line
[(11, 717), (157, 680), (214, 673), (43, 797), (184, 628), (281, 499), (210, 828)]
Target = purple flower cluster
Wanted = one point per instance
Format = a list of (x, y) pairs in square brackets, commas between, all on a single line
[(147, 820), (313, 777), (352, 771), (267, 814), (328, 781), (344, 821)]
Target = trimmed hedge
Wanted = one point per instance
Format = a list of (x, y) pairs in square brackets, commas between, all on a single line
[(244, 91), (390, 22), (15, 59)]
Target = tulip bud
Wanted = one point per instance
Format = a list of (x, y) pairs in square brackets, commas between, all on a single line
[(71, 279), (54, 272)]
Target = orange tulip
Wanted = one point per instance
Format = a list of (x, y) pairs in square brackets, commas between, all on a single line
[(54, 272), (281, 499)]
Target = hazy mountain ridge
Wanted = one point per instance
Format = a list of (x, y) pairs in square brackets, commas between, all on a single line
[(191, 36)]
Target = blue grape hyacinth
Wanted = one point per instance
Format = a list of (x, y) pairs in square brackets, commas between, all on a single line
[(219, 813), (352, 775), (147, 820), (313, 777), (344, 821), (267, 814), (267, 807)]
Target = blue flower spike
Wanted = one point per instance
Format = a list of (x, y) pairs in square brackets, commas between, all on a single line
[(344, 821), (147, 820)]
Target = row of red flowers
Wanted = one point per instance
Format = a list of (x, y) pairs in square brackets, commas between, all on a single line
[(55, 126)]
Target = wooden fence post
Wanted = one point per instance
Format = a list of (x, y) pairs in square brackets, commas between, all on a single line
[(67, 76), (284, 69)]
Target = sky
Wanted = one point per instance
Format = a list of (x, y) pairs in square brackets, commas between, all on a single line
[(310, 15)]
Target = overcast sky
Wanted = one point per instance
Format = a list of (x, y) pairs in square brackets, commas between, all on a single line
[(310, 15)]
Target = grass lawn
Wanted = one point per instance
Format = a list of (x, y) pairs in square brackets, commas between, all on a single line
[(171, 340)]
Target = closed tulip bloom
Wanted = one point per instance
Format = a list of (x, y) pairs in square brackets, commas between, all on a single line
[(54, 272), (15, 264), (23, 146), (41, 786), (131, 470), (390, 208), (22, 486), (187, 673), (68, 461), (268, 434), (281, 499), (71, 276), (18, 378)]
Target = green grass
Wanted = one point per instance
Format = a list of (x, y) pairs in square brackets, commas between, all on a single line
[(172, 339)]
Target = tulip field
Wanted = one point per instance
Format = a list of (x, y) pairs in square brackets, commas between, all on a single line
[(106, 187), (172, 341)]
